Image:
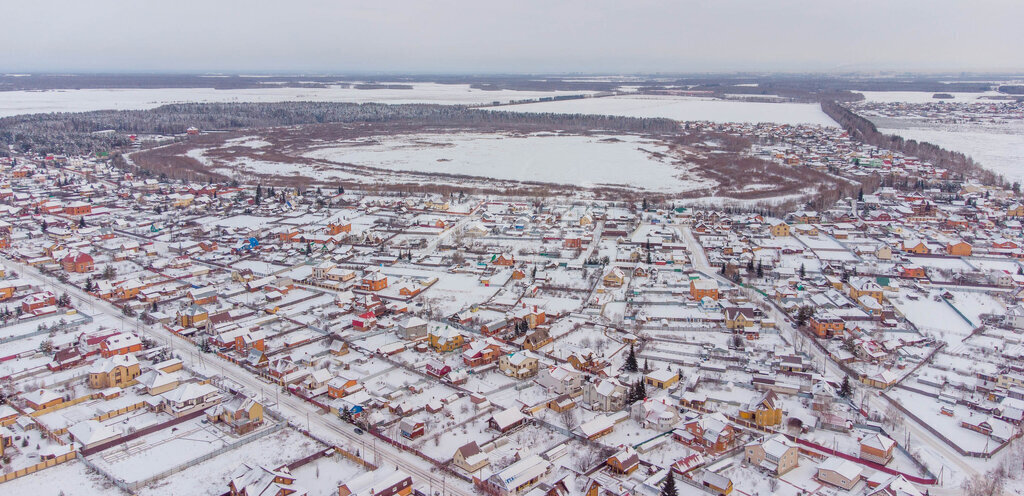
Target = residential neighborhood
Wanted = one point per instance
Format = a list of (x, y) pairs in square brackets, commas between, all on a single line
[(164, 336)]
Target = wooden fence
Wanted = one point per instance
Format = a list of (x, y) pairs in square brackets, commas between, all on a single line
[(37, 467)]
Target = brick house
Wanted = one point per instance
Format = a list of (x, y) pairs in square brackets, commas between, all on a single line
[(78, 262)]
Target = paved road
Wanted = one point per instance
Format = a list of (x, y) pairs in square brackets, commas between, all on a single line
[(292, 407)]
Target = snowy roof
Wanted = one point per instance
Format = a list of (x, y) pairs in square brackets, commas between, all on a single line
[(41, 396), (526, 469), (91, 432), (878, 441), (105, 366), (595, 426), (845, 468), (777, 445), (507, 417)]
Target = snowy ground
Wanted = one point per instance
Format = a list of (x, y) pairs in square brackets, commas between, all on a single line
[(32, 102), (934, 317), (685, 109), (74, 479), (162, 450), (211, 477)]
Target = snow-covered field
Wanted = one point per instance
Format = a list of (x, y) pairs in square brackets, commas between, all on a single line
[(32, 102), (684, 109), (998, 148), (586, 161)]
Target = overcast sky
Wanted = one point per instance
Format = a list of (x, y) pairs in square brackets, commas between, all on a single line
[(437, 36)]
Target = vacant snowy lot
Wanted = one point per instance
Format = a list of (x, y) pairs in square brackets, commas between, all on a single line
[(211, 476), (74, 479), (685, 109)]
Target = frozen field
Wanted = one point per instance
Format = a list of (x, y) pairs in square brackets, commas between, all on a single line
[(685, 109), (1000, 149), (33, 102), (587, 161)]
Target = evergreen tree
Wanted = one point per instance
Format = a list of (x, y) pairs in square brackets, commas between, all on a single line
[(259, 194), (81, 222), (631, 365), (760, 270), (860, 195), (803, 314), (668, 486), (43, 226), (341, 191), (803, 271), (647, 366), (845, 389), (640, 390)]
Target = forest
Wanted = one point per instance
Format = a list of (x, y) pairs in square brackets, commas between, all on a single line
[(89, 132)]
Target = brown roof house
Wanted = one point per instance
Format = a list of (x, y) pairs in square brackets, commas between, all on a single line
[(470, 458)]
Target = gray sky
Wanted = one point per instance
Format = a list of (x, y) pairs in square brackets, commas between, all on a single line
[(511, 36)]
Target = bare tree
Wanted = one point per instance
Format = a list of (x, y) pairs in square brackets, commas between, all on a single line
[(586, 459), (988, 484), (569, 419)]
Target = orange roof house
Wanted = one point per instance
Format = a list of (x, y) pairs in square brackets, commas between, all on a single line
[(120, 344), (374, 281), (959, 249), (505, 259), (78, 208), (78, 262), (699, 288), (826, 324), (339, 228)]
